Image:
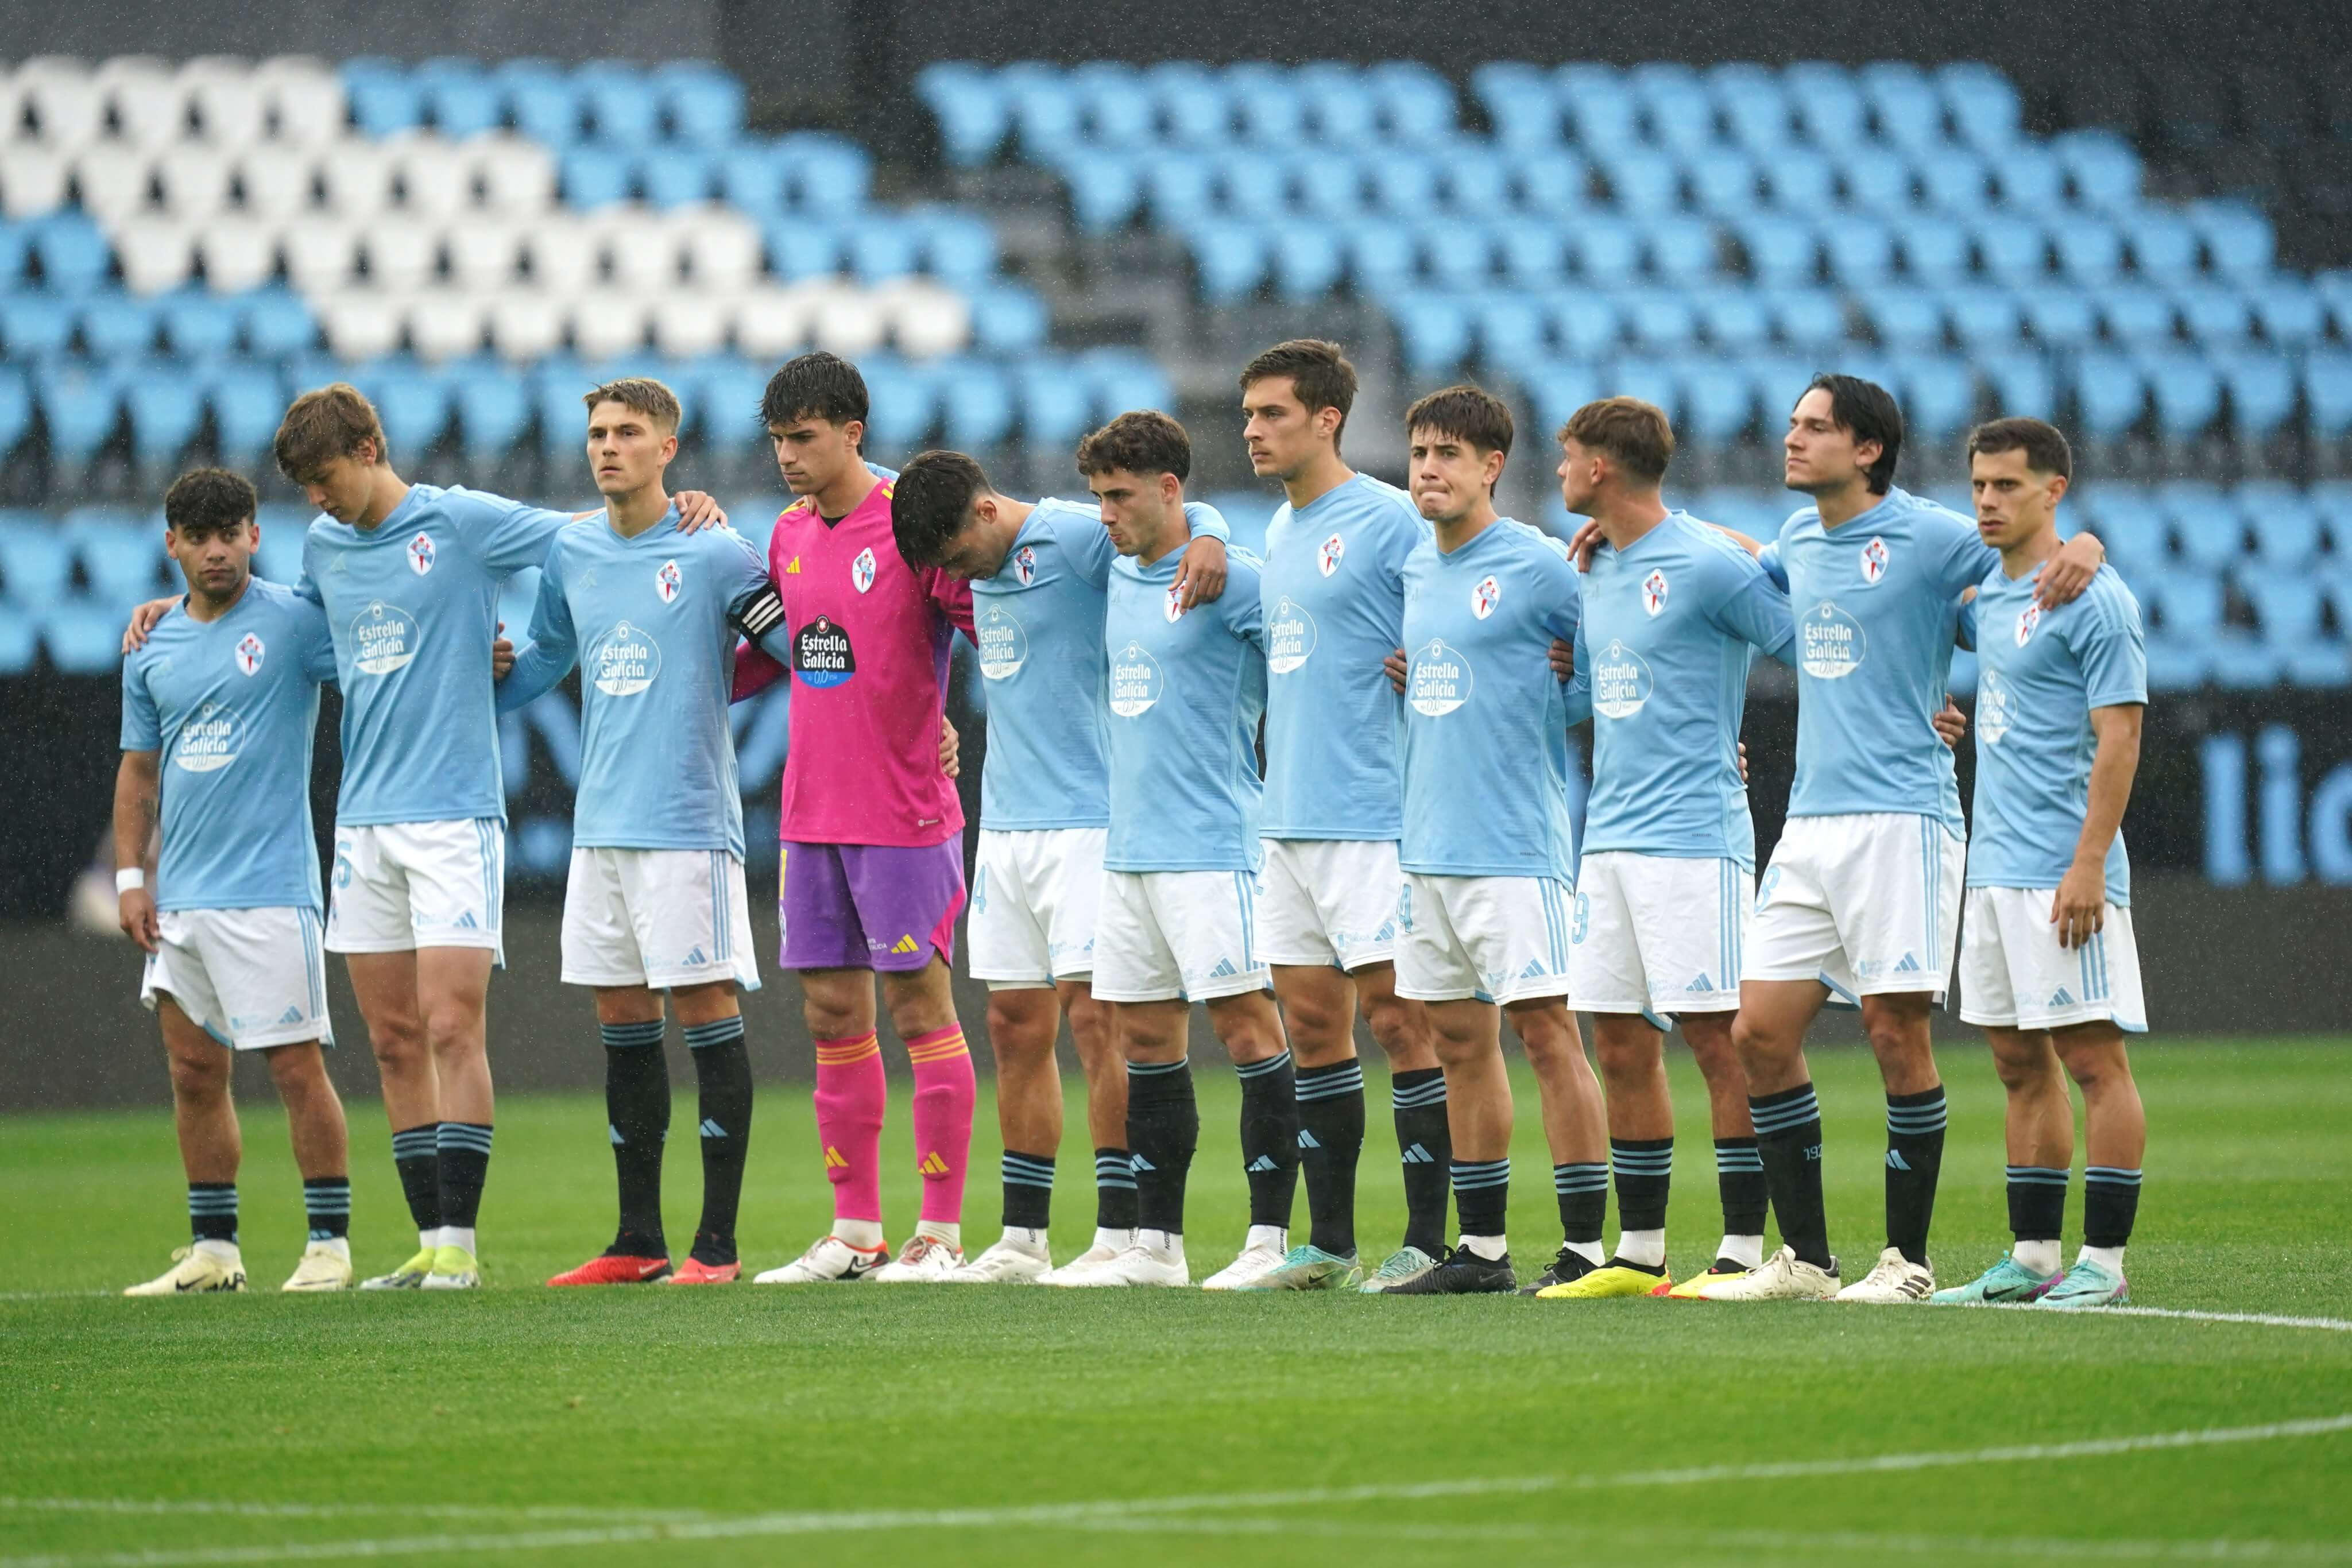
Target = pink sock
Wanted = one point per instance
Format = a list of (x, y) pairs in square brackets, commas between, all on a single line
[(850, 1094), (944, 1095)]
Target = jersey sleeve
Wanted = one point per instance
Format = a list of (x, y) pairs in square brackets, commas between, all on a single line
[(552, 650), (307, 583), (1578, 691), (1961, 557), (1244, 607), (1088, 547), (143, 730), (1769, 557), (2112, 647), (510, 536), (317, 642), (1751, 606), (743, 572), (1555, 577), (1203, 519), (950, 595)]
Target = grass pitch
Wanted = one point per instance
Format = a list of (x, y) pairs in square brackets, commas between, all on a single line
[(870, 1424)]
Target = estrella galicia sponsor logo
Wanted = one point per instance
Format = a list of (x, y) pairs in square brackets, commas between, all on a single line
[(1003, 644), (1831, 643), (668, 581), (210, 740), (1654, 593), (1289, 635), (1996, 707), (1486, 596), (250, 652), (1440, 679), (1025, 565), (383, 638), (822, 655), (1136, 681), (421, 554), (1328, 559), (861, 570), (1621, 682), (1874, 561), (625, 660), (2027, 620)]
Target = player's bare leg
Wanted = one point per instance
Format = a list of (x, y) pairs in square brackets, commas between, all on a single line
[(321, 1139), (1576, 1130), (1023, 1025), (385, 987), (1250, 1027), (1319, 1013), (1163, 1130), (1739, 1172), (1769, 1034), (1468, 1039), (1632, 1055), (211, 1146), (1897, 1026), (2116, 1138)]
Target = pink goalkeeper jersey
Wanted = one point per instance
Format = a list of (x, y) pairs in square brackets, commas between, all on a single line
[(869, 645)]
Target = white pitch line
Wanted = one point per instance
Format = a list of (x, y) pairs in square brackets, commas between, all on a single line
[(2266, 1320), (1106, 1513), (213, 1506)]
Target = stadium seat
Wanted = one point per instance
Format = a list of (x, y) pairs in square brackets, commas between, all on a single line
[(36, 560), (1433, 331), (1875, 180), (1807, 318), (33, 325), (2103, 169), (357, 177), (2133, 529), (1934, 250), (1056, 406), (1718, 399), (82, 638), (2029, 178), (1983, 319), (1780, 251), (1661, 320), (277, 323), (1511, 330), (1724, 183), (2014, 251), (81, 407), (1956, 183), (1800, 182), (383, 103), (2110, 393), (71, 253), (703, 104), (2060, 318), (1829, 109), (1640, 180), (2327, 395), (1861, 251), (622, 106), (2187, 392), (1605, 251), (1230, 260), (926, 320), (2090, 253), (2214, 315), (1254, 186), (246, 402), (1681, 249), (121, 560), (1180, 188), (1534, 253), (976, 406), (1309, 259), (1009, 317), (15, 410), (1558, 390), (673, 175), (196, 181), (2288, 310), (595, 176), (20, 640), (1585, 324), (236, 254), (2285, 523), (2022, 382), (1733, 319), (1903, 319), (1328, 185), (1404, 185), (1983, 105), (1904, 102), (2238, 240), (1478, 182), (972, 113), (463, 104), (1518, 101), (303, 100), (2136, 316), (1555, 182), (2262, 392), (114, 326)]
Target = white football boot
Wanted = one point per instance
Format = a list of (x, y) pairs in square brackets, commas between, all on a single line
[(1156, 1258), (325, 1266), (1014, 1260), (205, 1266), (1262, 1254), (1784, 1277), (828, 1258), (1108, 1244), (923, 1260), (1894, 1281)]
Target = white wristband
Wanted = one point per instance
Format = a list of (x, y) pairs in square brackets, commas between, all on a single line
[(129, 877)]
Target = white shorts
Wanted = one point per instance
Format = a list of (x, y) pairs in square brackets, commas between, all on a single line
[(251, 979), (2015, 975), (1328, 902), (1165, 935), (1034, 894), (1659, 935), (1868, 903), (1494, 938), (404, 885), (656, 918)]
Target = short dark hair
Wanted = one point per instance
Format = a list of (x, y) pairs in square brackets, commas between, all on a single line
[(323, 425), (929, 503), (207, 500), (1142, 441), (1630, 433), (1867, 411), (2045, 449), (815, 386), (638, 394), (1466, 413), (1318, 371)]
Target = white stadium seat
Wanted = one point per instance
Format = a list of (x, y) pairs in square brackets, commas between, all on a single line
[(33, 177), (357, 175), (643, 251), (518, 176), (305, 99), (231, 110), (771, 322), (437, 177), (563, 255), (239, 253), (195, 180), (445, 323), (484, 254), (157, 253), (402, 256), (321, 254), (527, 324), (360, 323), (279, 182), (113, 177), (927, 321), (12, 105), (608, 321), (690, 321), (845, 318), (66, 103), (151, 106), (722, 248)]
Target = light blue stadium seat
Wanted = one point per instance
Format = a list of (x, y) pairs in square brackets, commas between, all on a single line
[(73, 256), (1585, 324), (1651, 379), (1938, 396), (2030, 178), (825, 174), (1642, 181), (1415, 104), (1382, 257), (1478, 182), (2128, 523), (20, 641), (1807, 318), (1117, 109), (1458, 254), (278, 322), (1723, 181), (2176, 665), (1780, 380), (728, 391), (2136, 315), (799, 248), (1781, 251), (1272, 114), (1105, 188), (2163, 246), (672, 175), (165, 415), (1433, 330), (2187, 392), (16, 250), (1309, 259), (1801, 180), (1875, 178), (1511, 330), (1956, 182), (1246, 513), (81, 408), (1903, 319), (1829, 104), (1048, 115), (2238, 244), (2285, 523), (1230, 259), (906, 404), (1009, 318), (2022, 382), (884, 247), (122, 559), (114, 324), (2242, 662), (382, 102), (197, 325), (2327, 396), (2014, 251), (1601, 120), (976, 406), (2090, 251), (2061, 317), (1519, 103), (703, 103), (1553, 182), (556, 400), (1983, 104), (1534, 252), (1719, 398), (36, 325), (2262, 392), (749, 179), (1861, 251), (2288, 310), (15, 409), (624, 107), (1734, 318), (494, 409), (1934, 250), (1661, 320), (35, 560), (2102, 167), (1983, 316), (1125, 379), (1680, 116), (1055, 404), (1192, 103), (1329, 184), (1404, 186), (2188, 603), (2214, 314), (464, 106), (1908, 110), (959, 247), (247, 401), (1255, 186), (970, 109), (82, 638), (546, 107), (2110, 393), (594, 175), (1606, 251), (1682, 250), (415, 407), (2206, 528), (2326, 664)]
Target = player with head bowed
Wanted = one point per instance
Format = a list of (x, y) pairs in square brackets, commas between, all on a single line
[(1040, 573)]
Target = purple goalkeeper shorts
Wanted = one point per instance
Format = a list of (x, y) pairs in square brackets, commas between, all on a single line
[(869, 906)]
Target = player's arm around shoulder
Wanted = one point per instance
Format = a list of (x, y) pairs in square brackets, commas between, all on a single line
[(1201, 575), (1240, 607)]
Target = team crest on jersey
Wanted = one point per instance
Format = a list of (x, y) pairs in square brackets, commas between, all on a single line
[(668, 581), (1329, 558), (2027, 620), (249, 653), (1484, 597), (1874, 560), (1654, 593), (1025, 565), (1174, 608), (420, 554), (861, 570)]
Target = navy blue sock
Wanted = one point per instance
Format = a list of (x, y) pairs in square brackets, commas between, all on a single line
[(212, 1211), (1330, 1141), (416, 1155), (1914, 1160), (1270, 1137), (1028, 1181), (2037, 1203), (2110, 1205), (1425, 1148), (1788, 1142), (722, 1075), (1583, 1189), (327, 1203)]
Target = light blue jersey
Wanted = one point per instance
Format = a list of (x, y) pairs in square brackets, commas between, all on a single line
[(414, 605), (232, 705), (1187, 689), (2040, 673), (1038, 623), (1334, 595), (1877, 602), (1486, 721), (646, 618), (1670, 626)]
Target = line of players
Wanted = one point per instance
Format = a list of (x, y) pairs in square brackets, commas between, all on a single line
[(1121, 855)]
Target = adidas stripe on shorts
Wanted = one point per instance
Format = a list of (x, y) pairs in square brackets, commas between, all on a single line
[(2015, 975), (404, 885), (1494, 938), (1868, 903), (1165, 934), (1328, 902), (661, 918), (1657, 934), (251, 979)]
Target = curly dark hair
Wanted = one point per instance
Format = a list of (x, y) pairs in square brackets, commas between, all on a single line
[(1142, 441), (208, 500)]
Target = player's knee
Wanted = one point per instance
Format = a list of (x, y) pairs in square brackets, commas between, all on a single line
[(1759, 1048), (1709, 1037), (196, 1081), (1247, 1024), (298, 1072), (1400, 1027), (453, 1028), (398, 1045), (1626, 1061)]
